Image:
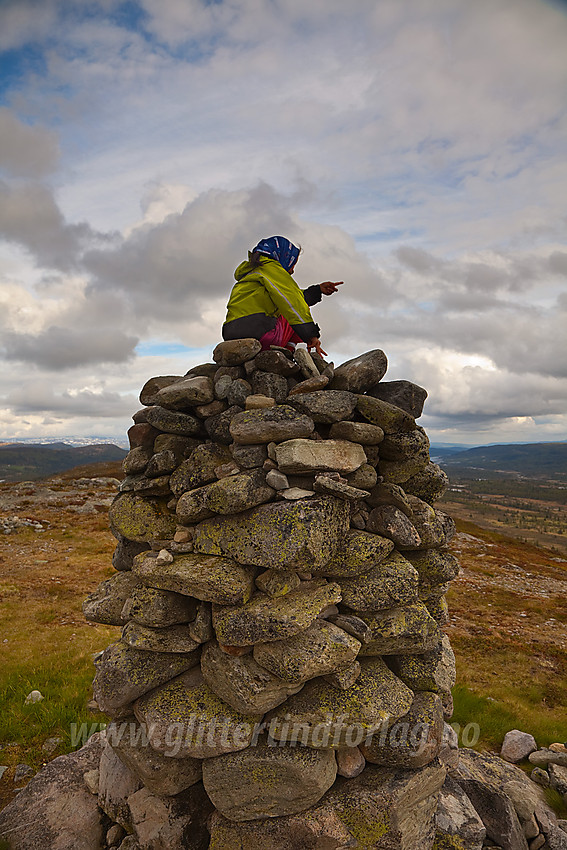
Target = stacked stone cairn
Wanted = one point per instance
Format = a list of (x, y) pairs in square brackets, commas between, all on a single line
[(282, 677)]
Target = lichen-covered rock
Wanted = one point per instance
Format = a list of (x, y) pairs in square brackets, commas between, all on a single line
[(405, 445), (329, 487), (431, 671), (137, 460), (269, 385), (124, 673), (410, 397), (400, 471), (322, 648), (427, 524), (273, 424), (156, 608), (400, 631), (390, 522), (160, 774), (435, 567), (161, 464), (266, 619), (428, 484), (412, 741), (249, 457), (217, 425), (304, 456), (234, 352), (169, 639), (365, 477), (152, 387), (185, 718), (199, 468), (125, 552), (325, 406), (242, 682), (267, 781), (388, 417), (391, 583), (173, 422), (209, 578), (188, 392), (321, 716), (298, 536), (141, 518), (457, 823), (360, 553), (361, 373), (238, 493), (192, 506), (390, 494), (277, 582), (357, 432), (104, 605)]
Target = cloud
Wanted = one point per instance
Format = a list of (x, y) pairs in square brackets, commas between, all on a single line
[(37, 398), (26, 151), (63, 348)]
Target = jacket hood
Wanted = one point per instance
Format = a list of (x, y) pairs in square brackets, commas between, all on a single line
[(247, 268)]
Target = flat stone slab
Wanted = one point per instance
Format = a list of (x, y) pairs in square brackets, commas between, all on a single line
[(188, 392), (390, 584), (410, 397), (149, 606), (304, 456), (317, 827), (242, 682), (185, 718), (265, 618), (357, 432), (360, 553), (325, 406), (413, 740), (276, 362), (272, 424), (268, 781), (141, 518), (104, 605), (299, 536), (361, 373), (388, 417), (234, 352), (329, 487), (402, 631), (205, 577), (173, 422), (169, 639), (123, 674), (322, 716), (320, 649)]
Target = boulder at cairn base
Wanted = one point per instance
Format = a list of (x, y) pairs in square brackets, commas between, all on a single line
[(322, 716), (207, 578), (266, 618), (234, 352), (318, 827), (123, 674), (280, 536), (184, 718), (304, 456), (267, 781), (271, 424), (141, 518), (361, 373)]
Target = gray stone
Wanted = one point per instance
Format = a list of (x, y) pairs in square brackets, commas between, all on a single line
[(272, 424), (558, 778), (325, 406), (180, 446), (173, 422), (305, 363), (517, 746), (192, 506), (401, 631), (277, 480), (201, 629), (141, 518), (157, 608), (292, 494), (428, 484), (125, 552), (267, 781), (249, 457), (277, 582), (364, 478), (104, 605), (431, 671), (168, 639), (388, 417), (318, 827), (361, 373), (218, 426), (162, 463), (152, 388), (162, 823), (266, 618), (185, 718), (322, 716), (390, 494), (209, 578), (329, 487), (354, 626), (427, 524), (360, 552), (320, 649), (136, 460), (299, 535), (435, 567), (541, 758), (456, 820), (123, 674), (398, 472), (199, 468), (238, 493), (242, 682), (238, 392), (116, 783), (410, 397), (390, 522), (276, 362), (272, 386), (310, 385), (390, 584), (234, 352), (405, 445), (304, 456), (413, 740), (357, 432), (146, 486), (188, 392), (447, 524)]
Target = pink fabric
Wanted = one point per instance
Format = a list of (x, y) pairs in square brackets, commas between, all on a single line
[(281, 335)]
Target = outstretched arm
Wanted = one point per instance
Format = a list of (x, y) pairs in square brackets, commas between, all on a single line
[(315, 343), (329, 286)]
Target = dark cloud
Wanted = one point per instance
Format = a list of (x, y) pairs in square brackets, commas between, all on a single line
[(63, 348), (37, 398), (26, 151)]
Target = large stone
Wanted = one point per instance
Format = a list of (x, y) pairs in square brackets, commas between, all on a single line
[(126, 551), (318, 828), (199, 468), (161, 464), (325, 406), (173, 422), (136, 460), (141, 518), (249, 457), (188, 392), (389, 809), (268, 781), (388, 417), (238, 493), (209, 578), (543, 758), (162, 823), (304, 456), (400, 471), (265, 618), (320, 649), (457, 823), (390, 494), (180, 446), (185, 718), (391, 583), (269, 385), (234, 352), (391, 522), (115, 784), (357, 432), (428, 484), (322, 716), (401, 631), (427, 524), (156, 608), (217, 425), (104, 605), (360, 553), (283, 535), (435, 567), (306, 363), (517, 746), (329, 487), (273, 424), (276, 362), (160, 774), (405, 445), (410, 397), (412, 741), (152, 387), (361, 373), (311, 385), (56, 810), (431, 671), (123, 674), (192, 506), (242, 682), (277, 582), (169, 639)]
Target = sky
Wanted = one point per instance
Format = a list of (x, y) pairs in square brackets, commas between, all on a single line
[(415, 149)]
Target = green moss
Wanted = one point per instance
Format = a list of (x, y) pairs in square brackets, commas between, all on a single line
[(448, 842), (367, 831)]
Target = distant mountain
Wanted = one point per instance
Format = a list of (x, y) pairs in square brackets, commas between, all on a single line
[(530, 460), (19, 462)]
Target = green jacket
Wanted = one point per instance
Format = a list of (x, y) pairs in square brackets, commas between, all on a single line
[(261, 294)]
